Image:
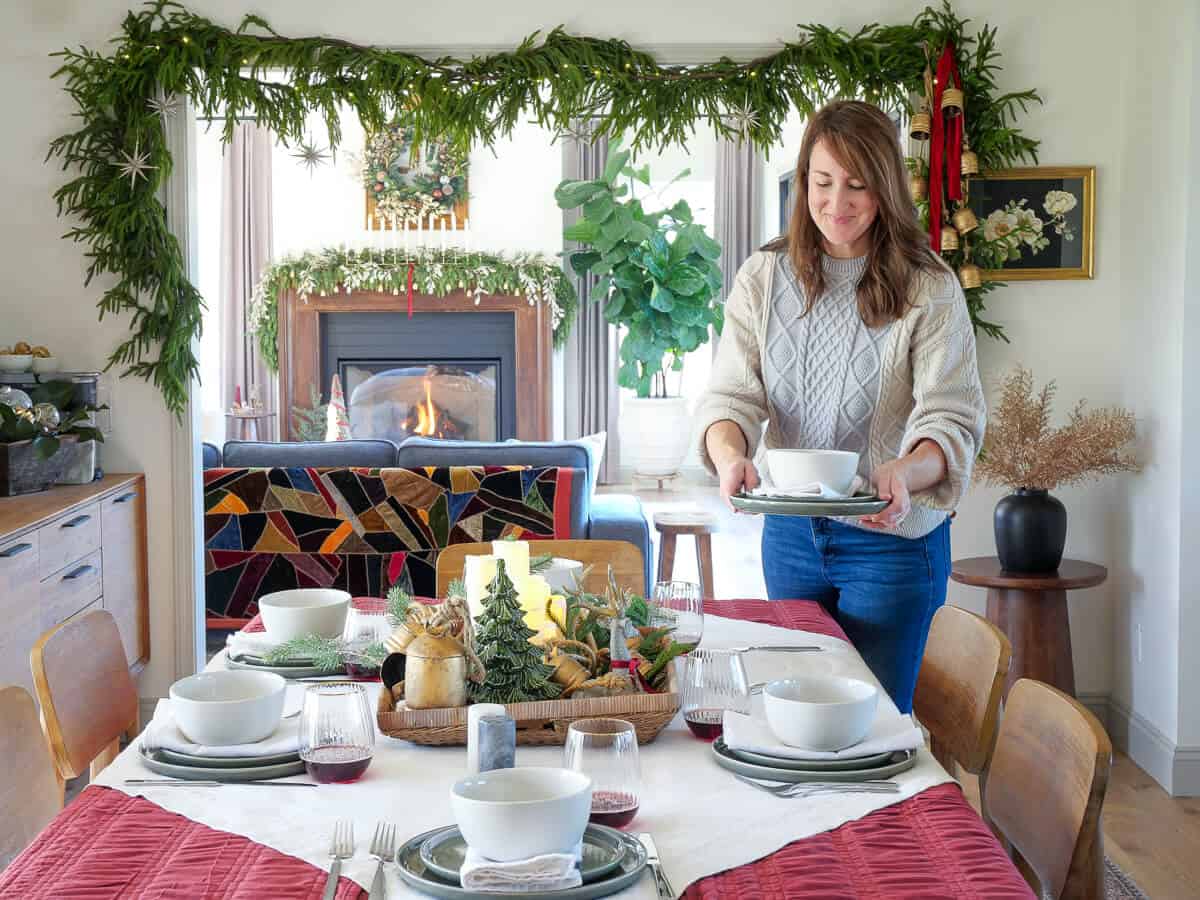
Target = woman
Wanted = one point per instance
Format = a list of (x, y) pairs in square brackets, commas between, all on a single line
[(850, 334)]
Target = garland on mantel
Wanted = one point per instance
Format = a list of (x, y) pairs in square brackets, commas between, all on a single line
[(434, 272), (118, 154)]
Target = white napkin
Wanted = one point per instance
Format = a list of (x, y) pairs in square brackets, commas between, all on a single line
[(889, 732), (252, 643), (163, 733), (548, 872), (814, 490)]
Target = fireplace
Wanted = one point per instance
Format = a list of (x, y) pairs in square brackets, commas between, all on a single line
[(449, 369)]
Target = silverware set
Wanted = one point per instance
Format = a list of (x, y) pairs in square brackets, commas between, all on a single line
[(341, 846), (814, 788), (662, 884)]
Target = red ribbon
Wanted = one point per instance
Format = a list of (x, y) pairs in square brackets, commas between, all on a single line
[(945, 148), (410, 296)]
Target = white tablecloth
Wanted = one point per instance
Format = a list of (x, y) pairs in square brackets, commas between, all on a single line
[(703, 820)]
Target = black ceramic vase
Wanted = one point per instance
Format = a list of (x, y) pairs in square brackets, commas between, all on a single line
[(1031, 531)]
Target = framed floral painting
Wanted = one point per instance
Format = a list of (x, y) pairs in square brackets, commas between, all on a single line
[(1034, 223)]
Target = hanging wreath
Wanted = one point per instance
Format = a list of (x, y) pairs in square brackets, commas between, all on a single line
[(407, 185)]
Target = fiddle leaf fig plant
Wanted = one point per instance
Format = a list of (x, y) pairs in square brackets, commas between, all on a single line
[(657, 271)]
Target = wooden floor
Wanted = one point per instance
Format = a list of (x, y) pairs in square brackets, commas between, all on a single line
[(1153, 837)]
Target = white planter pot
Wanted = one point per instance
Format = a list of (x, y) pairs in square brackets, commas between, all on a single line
[(655, 433)]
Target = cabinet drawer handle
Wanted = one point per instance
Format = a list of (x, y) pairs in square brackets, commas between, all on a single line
[(76, 522), (79, 573), (126, 497), (14, 550)]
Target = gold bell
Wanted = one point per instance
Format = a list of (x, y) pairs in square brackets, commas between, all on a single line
[(952, 102), (970, 275), (964, 220), (920, 126), (919, 186), (949, 238), (970, 163)]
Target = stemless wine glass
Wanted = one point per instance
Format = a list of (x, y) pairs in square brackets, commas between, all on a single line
[(713, 681), (606, 750), (337, 731), (680, 605), (367, 623)]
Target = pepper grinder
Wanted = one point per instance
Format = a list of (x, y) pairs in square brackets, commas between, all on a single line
[(497, 743), (475, 712)]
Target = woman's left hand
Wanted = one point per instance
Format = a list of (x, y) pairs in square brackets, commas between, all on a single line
[(891, 483)]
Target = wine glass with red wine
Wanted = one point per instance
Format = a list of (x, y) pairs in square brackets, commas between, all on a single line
[(337, 731), (713, 681), (678, 605), (606, 750), (367, 625)]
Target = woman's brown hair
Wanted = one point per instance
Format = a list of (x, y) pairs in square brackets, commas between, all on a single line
[(863, 140)]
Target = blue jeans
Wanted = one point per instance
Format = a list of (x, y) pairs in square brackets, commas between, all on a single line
[(882, 589)]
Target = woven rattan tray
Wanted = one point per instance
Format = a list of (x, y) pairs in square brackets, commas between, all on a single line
[(540, 722)]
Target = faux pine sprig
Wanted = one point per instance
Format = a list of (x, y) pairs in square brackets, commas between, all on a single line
[(327, 654), (398, 602)]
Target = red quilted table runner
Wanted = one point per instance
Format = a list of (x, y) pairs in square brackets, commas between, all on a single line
[(932, 846)]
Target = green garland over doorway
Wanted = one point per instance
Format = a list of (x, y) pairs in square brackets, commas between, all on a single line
[(118, 157)]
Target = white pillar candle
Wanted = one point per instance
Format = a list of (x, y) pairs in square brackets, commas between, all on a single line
[(475, 712), (516, 558), (533, 593), (478, 572)]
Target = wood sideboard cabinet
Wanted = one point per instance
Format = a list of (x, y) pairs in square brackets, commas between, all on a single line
[(69, 549)]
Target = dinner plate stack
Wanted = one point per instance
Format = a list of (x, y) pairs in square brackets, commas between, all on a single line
[(611, 862), (292, 668), (778, 504), (872, 767), (221, 768)]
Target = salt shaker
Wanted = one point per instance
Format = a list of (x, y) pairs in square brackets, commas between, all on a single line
[(475, 712), (497, 743)]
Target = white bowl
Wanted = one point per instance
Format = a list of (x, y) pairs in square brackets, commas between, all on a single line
[(820, 712), (15, 362), (304, 611), (221, 708), (43, 364), (792, 469), (508, 814)]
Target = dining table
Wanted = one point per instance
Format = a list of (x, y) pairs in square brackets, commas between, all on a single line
[(114, 842)]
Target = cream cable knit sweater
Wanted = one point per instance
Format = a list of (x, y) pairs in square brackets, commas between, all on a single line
[(827, 381)]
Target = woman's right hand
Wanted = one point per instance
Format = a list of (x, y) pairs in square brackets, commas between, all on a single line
[(736, 475)]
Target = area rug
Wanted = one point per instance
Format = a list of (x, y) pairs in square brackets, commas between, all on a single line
[(1118, 885)]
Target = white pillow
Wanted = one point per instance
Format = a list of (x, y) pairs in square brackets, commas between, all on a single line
[(596, 444)]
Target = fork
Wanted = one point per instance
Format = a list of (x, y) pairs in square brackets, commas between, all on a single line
[(383, 845), (807, 788), (341, 847)]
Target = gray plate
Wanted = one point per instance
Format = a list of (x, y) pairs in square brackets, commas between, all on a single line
[(808, 506), (254, 664), (419, 877), (809, 765), (901, 761), (225, 762), (154, 761), (603, 850)]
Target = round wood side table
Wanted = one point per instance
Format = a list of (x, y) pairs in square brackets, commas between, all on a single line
[(1032, 611), (248, 422)]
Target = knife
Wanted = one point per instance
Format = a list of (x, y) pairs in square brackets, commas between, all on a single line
[(185, 783), (779, 648), (661, 883)]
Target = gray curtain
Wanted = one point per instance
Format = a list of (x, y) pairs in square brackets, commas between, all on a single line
[(737, 212), (245, 251), (591, 401)]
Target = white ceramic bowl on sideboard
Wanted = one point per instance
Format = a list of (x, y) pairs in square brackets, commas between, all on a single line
[(792, 469), (304, 611), (222, 708), (15, 362), (508, 814), (820, 712)]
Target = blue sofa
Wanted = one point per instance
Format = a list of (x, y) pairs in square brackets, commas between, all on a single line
[(617, 517)]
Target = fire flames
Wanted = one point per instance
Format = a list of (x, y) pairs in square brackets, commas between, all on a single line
[(431, 421)]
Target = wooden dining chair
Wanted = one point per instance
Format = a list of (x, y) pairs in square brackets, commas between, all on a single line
[(959, 687), (88, 698), (625, 558), (1045, 789), (30, 792)]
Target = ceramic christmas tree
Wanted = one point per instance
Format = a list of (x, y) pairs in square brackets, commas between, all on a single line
[(515, 671), (337, 422)]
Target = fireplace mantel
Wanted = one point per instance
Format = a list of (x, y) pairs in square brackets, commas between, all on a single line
[(300, 346)]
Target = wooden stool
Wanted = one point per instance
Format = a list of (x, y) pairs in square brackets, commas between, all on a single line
[(1032, 611), (672, 524)]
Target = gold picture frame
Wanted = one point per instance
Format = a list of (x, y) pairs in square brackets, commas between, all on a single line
[(1053, 209)]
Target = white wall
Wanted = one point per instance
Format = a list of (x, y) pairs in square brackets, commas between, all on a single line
[(1116, 338)]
